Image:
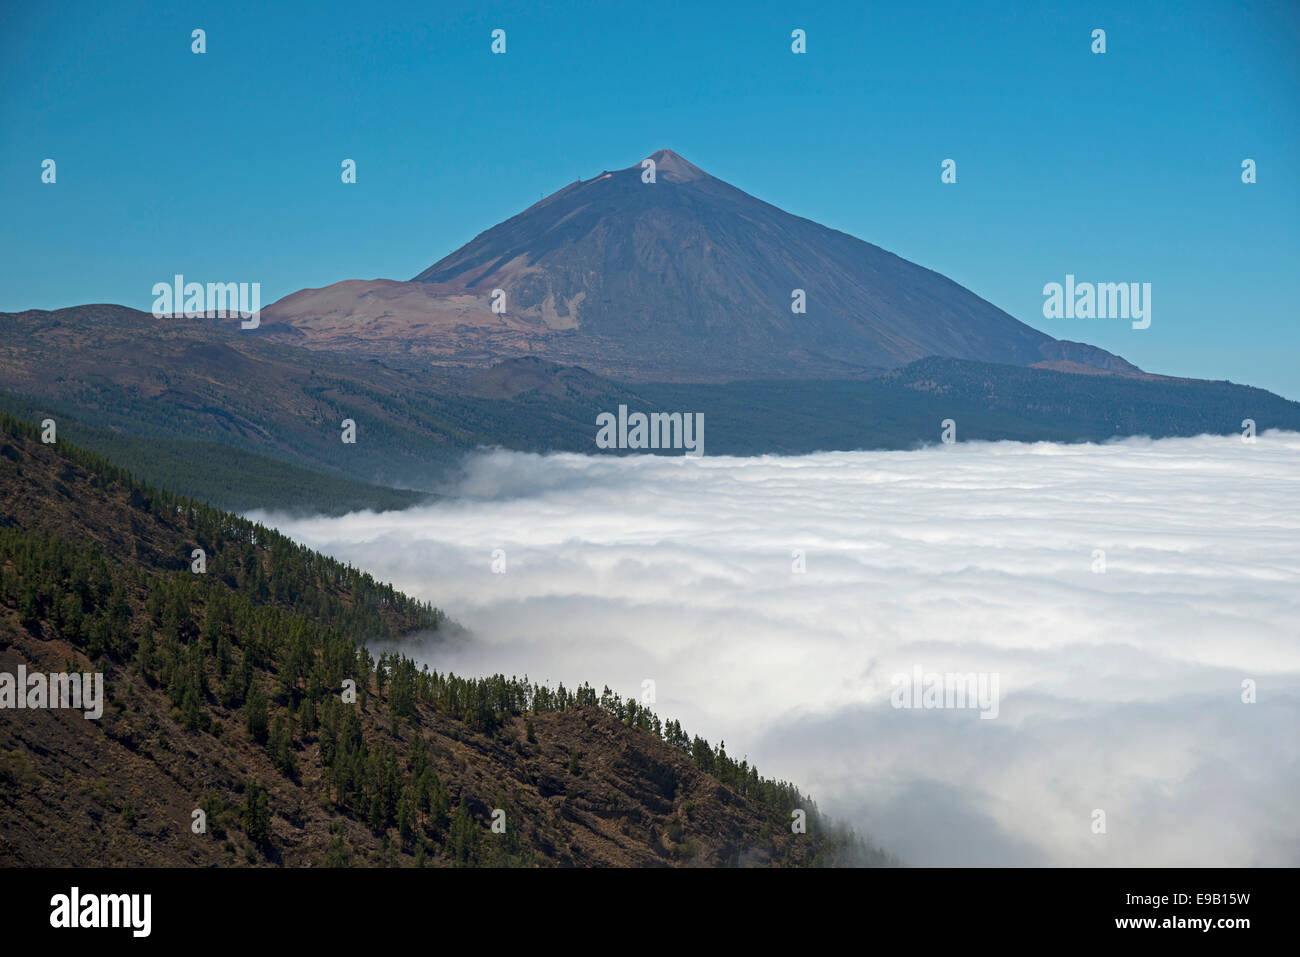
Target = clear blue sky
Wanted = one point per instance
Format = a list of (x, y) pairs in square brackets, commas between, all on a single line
[(1116, 167)]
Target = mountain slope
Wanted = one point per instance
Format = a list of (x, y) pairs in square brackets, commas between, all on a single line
[(223, 695), (903, 409), (209, 471), (170, 397), (686, 279), (184, 381)]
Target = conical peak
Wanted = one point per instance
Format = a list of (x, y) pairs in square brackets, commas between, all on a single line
[(674, 169)]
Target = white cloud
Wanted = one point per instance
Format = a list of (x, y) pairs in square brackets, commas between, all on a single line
[(1119, 691)]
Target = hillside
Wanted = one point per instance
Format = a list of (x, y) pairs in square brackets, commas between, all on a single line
[(184, 385), (171, 399), (903, 409), (223, 694), (221, 475), (685, 279)]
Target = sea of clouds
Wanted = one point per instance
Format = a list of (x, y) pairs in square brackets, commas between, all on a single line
[(1121, 691)]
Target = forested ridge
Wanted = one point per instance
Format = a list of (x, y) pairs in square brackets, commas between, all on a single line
[(227, 693)]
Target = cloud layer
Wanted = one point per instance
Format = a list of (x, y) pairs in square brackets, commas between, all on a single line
[(1121, 690)]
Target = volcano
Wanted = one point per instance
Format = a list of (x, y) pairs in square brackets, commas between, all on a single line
[(675, 276)]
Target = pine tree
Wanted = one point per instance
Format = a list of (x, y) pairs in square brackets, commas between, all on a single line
[(464, 836), (257, 814), (282, 748), (406, 820), (255, 717)]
